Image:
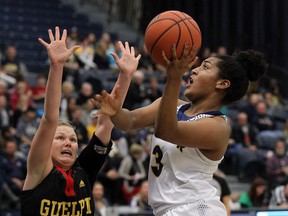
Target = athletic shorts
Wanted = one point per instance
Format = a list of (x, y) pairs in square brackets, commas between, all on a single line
[(210, 207)]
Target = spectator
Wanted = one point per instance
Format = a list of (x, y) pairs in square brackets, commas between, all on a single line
[(85, 53), (111, 181), (23, 104), (137, 92), (261, 120), (91, 127), (73, 37), (132, 171), (223, 190), (100, 57), (256, 196), (4, 112), (8, 199), (21, 88), (141, 198), (279, 197), (80, 128), (26, 128), (250, 106), (153, 91), (4, 88), (86, 92), (11, 65), (146, 63), (116, 49), (13, 167), (99, 200), (38, 91), (67, 96), (277, 165), (243, 135)]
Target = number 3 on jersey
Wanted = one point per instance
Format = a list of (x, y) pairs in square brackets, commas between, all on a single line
[(157, 166)]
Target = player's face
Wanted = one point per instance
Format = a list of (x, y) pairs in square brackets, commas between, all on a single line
[(203, 80), (64, 148)]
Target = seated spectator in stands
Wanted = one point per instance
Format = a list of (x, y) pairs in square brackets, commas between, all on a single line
[(275, 89), (132, 172), (21, 88), (116, 49), (274, 103), (71, 66), (99, 199), (91, 127), (279, 197), (110, 179), (223, 190), (243, 135), (100, 57), (80, 128), (85, 53), (13, 167), (106, 38), (8, 133), (26, 128), (68, 95), (277, 165), (141, 198), (136, 94), (11, 65), (86, 92), (23, 104), (8, 199), (146, 63), (242, 131), (153, 90), (256, 196), (4, 88), (250, 104), (261, 120), (38, 91), (4, 112), (251, 163), (73, 37)]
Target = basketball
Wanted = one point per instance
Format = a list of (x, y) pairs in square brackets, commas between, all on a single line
[(168, 28)]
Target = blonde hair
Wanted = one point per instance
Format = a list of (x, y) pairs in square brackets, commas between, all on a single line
[(65, 123)]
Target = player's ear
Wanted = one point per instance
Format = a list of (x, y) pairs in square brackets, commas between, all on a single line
[(222, 84)]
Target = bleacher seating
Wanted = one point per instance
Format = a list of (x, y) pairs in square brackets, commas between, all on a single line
[(22, 22)]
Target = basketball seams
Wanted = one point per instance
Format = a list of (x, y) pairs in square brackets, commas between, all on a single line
[(160, 36), (164, 32)]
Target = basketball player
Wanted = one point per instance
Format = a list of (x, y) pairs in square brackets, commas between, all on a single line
[(58, 182), (190, 137)]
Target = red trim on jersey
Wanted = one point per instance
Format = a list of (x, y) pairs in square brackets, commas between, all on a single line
[(69, 188)]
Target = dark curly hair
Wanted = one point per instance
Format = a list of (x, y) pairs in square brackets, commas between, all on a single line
[(240, 69)]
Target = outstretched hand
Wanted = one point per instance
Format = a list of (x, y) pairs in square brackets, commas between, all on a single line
[(176, 67), (128, 63), (109, 104), (57, 49)]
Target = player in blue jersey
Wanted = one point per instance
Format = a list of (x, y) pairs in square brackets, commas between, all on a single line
[(191, 136)]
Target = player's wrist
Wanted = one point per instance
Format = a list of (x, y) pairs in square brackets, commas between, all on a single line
[(100, 147)]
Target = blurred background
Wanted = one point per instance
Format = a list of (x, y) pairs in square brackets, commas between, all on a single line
[(256, 162)]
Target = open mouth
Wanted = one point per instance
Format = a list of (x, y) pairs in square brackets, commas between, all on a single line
[(189, 82), (66, 152)]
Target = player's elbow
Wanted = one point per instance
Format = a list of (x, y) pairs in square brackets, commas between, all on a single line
[(163, 134)]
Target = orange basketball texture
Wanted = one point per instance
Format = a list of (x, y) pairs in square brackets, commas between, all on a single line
[(168, 28)]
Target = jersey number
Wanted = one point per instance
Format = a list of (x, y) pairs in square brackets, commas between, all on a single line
[(158, 154)]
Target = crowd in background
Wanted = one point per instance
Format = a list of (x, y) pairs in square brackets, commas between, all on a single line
[(257, 151)]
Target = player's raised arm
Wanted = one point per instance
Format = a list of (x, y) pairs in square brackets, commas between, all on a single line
[(39, 159)]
